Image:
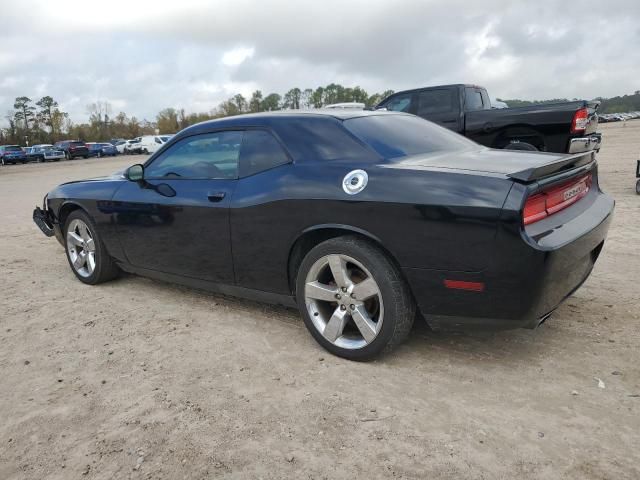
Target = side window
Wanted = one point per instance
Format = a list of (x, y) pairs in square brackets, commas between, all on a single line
[(211, 155), (399, 103), (435, 101), (473, 99), (260, 151), (157, 140)]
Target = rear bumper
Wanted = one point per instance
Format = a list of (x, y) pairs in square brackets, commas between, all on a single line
[(585, 144), (527, 280)]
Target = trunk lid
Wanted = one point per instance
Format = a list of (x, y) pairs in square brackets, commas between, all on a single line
[(521, 166)]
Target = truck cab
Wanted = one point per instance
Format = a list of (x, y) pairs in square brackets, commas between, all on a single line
[(565, 127)]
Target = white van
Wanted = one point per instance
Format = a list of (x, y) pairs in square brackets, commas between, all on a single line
[(150, 143)]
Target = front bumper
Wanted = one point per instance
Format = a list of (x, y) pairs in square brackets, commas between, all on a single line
[(15, 158), (43, 221), (585, 144)]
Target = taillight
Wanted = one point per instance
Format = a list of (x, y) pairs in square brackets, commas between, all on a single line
[(580, 121), (556, 198)]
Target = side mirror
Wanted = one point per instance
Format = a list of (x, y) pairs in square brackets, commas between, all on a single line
[(135, 173)]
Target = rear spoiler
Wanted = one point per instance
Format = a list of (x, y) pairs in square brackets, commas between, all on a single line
[(554, 167)]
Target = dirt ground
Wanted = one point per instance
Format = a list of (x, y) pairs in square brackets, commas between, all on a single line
[(139, 379)]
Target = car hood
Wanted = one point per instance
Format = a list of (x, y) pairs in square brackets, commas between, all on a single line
[(519, 165), (107, 178)]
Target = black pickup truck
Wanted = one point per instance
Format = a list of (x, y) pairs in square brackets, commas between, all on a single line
[(567, 127)]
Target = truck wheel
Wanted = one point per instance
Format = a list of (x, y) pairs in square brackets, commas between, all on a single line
[(638, 187), (520, 146), (86, 253), (353, 299)]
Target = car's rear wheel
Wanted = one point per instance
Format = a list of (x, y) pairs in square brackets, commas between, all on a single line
[(638, 187), (86, 253), (353, 299)]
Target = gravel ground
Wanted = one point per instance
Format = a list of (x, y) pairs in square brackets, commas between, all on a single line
[(139, 379)]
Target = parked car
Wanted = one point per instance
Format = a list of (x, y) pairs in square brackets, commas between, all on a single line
[(357, 217), (44, 152), (132, 146), (151, 143), (120, 145), (102, 150), (12, 154), (568, 127), (73, 149)]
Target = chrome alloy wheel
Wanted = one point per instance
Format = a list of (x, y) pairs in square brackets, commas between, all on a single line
[(81, 248), (344, 301)]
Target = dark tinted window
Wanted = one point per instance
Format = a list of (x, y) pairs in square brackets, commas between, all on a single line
[(12, 148), (400, 135), (473, 99), (77, 144), (320, 138), (212, 155), (436, 101), (399, 103), (260, 151)]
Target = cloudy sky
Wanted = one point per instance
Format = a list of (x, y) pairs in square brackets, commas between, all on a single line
[(143, 56)]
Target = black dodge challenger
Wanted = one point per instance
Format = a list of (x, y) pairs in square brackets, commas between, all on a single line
[(361, 219)]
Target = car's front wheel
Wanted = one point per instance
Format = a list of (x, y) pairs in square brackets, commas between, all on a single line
[(86, 253), (353, 299)]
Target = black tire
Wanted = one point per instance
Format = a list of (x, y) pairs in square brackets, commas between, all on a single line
[(399, 306), (105, 268), (85, 156), (520, 146), (638, 187)]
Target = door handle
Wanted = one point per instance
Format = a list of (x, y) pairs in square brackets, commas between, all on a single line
[(216, 196)]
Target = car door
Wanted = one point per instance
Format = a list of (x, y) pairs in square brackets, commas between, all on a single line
[(177, 219)]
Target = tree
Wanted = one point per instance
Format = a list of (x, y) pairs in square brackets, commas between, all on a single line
[(50, 115), (25, 112), (99, 124), (305, 98), (317, 98), (167, 121), (271, 102), (255, 104), (292, 99)]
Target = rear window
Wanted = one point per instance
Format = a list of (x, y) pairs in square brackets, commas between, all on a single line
[(395, 136), (77, 144), (321, 138), (436, 101)]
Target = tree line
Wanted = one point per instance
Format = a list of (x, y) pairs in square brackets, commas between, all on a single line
[(42, 121), (619, 104)]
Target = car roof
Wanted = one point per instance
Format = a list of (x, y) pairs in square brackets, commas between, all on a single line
[(266, 118)]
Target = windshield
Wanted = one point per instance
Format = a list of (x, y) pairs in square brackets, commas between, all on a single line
[(395, 136)]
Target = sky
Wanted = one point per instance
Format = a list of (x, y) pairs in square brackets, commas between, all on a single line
[(142, 56)]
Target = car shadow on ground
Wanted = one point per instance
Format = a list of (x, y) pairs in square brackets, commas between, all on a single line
[(513, 345)]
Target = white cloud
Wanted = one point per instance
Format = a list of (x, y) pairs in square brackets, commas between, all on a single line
[(151, 54), (236, 56)]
